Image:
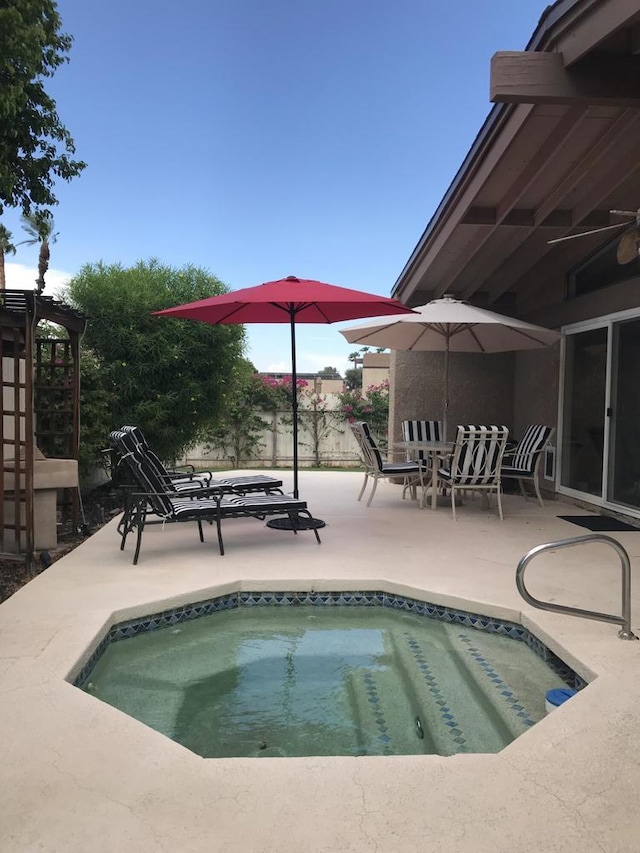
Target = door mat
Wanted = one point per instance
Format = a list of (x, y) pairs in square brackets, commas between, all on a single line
[(599, 522)]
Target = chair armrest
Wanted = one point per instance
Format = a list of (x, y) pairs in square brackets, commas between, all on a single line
[(510, 448), (176, 474), (212, 491), (202, 490)]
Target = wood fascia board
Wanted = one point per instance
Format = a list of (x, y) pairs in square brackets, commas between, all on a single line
[(529, 77), (622, 124), (507, 214), (478, 173), (579, 34), (549, 149)]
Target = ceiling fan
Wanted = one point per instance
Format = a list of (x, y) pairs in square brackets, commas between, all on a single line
[(629, 244)]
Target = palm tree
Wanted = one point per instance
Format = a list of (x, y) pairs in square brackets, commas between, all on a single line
[(6, 248), (40, 226)]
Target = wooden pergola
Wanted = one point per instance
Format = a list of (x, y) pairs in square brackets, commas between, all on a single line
[(40, 411)]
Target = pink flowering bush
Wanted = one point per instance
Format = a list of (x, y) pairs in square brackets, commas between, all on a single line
[(371, 406), (273, 394)]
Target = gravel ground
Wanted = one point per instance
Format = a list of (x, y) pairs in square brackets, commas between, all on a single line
[(99, 505)]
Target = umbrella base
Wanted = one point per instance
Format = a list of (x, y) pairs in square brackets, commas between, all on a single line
[(295, 524)]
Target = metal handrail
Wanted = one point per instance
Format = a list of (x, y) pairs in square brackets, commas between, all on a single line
[(625, 632)]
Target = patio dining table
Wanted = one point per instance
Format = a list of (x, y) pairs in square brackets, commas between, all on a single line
[(434, 450)]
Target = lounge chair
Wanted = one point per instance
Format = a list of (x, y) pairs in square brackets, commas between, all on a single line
[(475, 463), (209, 503), (523, 461), (185, 479), (376, 468)]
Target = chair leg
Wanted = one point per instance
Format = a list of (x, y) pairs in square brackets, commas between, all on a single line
[(536, 485), (315, 529), (453, 501), (364, 484), (141, 514), (498, 495), (373, 490), (219, 530)]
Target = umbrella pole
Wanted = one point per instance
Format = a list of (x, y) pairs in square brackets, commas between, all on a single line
[(446, 393), (294, 402), (295, 522)]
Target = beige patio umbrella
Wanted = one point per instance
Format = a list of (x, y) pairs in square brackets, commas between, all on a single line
[(451, 325)]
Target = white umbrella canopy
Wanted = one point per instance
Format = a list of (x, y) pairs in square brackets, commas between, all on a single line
[(451, 325)]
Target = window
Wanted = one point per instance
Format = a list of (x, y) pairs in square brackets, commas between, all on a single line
[(600, 270)]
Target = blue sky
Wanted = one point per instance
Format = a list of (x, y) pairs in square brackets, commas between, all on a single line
[(266, 138)]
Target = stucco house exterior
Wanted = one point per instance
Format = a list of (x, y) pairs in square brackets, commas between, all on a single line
[(557, 153)]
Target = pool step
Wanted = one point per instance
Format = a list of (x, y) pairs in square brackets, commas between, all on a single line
[(452, 709), (514, 683), (385, 716)]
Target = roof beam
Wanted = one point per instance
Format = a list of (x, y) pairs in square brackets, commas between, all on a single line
[(519, 217), (579, 31), (528, 77), (508, 275)]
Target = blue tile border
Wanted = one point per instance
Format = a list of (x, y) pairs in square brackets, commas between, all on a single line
[(352, 598)]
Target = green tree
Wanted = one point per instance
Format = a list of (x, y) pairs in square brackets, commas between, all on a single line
[(39, 225), (167, 376), (6, 248), (95, 412), (35, 147), (319, 422), (353, 378), (238, 429)]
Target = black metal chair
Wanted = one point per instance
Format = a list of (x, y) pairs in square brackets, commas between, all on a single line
[(152, 495), (134, 437), (523, 461), (377, 468)]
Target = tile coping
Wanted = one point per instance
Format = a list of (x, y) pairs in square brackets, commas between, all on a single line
[(321, 598)]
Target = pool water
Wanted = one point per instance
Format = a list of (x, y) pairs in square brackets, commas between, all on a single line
[(301, 681)]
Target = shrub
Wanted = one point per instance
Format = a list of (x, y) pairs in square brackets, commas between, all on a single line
[(371, 406)]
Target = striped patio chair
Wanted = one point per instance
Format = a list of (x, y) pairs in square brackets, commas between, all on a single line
[(476, 462), (421, 431), (376, 467), (523, 461)]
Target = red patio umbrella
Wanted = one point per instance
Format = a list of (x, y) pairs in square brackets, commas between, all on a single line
[(289, 300)]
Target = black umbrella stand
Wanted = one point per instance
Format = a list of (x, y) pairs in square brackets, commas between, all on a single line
[(297, 522)]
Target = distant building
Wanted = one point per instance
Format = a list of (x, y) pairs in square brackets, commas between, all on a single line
[(375, 368), (321, 383)]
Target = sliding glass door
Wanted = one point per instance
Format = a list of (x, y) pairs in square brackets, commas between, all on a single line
[(600, 448), (624, 439), (584, 411)]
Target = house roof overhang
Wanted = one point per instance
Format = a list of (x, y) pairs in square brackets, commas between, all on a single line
[(559, 150)]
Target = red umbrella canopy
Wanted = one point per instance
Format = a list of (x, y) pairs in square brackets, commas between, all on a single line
[(291, 298)]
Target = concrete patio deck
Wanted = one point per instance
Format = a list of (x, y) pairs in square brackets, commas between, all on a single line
[(76, 775)]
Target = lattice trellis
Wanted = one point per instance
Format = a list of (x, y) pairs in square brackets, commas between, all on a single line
[(39, 407)]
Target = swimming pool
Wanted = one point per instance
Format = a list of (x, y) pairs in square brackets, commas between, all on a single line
[(350, 673)]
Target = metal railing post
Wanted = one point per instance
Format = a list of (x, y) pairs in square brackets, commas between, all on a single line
[(625, 632)]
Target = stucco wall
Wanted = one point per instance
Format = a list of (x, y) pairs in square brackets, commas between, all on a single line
[(535, 398), (480, 388)]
